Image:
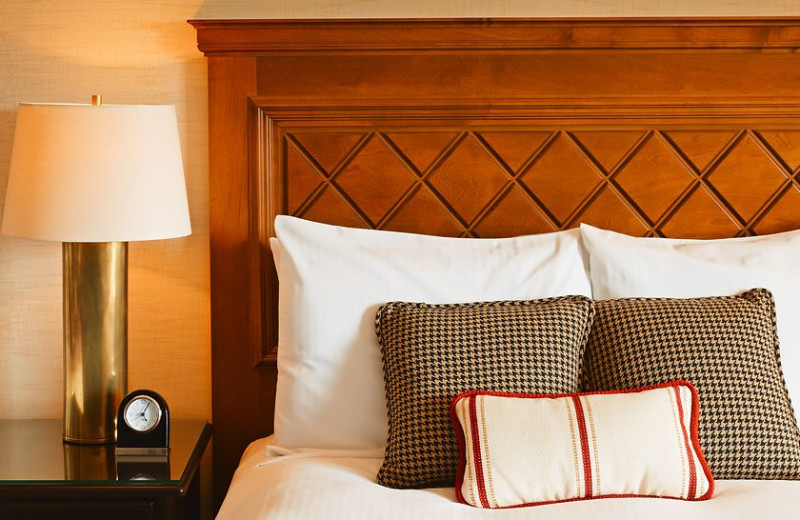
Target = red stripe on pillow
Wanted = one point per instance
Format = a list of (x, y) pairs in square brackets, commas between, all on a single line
[(476, 451), (692, 469), (587, 461)]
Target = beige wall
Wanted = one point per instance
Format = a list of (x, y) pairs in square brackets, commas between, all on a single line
[(142, 51), (488, 8), (131, 52)]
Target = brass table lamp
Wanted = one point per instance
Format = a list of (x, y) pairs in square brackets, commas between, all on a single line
[(95, 177)]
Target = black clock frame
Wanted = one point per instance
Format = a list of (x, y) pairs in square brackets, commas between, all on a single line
[(158, 437)]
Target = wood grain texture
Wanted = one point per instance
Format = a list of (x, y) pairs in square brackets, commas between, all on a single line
[(232, 269), (677, 128), (562, 179)]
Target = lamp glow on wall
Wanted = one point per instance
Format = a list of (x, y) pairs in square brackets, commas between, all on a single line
[(95, 177)]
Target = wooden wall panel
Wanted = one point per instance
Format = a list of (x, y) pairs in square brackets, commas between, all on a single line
[(480, 128)]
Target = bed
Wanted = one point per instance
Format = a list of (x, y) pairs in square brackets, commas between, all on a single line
[(683, 128)]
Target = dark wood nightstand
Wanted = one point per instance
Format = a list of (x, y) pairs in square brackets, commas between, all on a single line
[(42, 477)]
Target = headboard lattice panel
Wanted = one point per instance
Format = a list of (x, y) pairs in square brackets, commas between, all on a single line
[(481, 128), (488, 183)]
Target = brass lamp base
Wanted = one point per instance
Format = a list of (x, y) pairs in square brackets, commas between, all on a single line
[(95, 339)]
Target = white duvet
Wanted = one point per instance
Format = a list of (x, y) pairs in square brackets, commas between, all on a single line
[(333, 485)]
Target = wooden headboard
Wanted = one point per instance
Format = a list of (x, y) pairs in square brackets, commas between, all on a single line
[(480, 128)]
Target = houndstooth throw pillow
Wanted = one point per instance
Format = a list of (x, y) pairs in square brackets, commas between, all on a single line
[(727, 347), (431, 353)]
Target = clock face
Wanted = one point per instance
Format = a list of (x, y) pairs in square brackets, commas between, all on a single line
[(142, 414)]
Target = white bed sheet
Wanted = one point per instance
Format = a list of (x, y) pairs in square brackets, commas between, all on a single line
[(333, 485)]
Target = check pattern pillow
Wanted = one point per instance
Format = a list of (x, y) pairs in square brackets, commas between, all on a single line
[(727, 347), (524, 450), (431, 353)]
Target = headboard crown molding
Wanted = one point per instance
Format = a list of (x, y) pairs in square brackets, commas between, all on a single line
[(242, 36)]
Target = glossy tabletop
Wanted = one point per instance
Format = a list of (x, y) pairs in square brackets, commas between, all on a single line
[(32, 452)]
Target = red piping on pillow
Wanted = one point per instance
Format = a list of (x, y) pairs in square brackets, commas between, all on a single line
[(696, 439), (462, 461), (677, 383), (692, 470)]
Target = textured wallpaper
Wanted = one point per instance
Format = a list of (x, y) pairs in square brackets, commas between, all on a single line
[(144, 52), (131, 52), (491, 8)]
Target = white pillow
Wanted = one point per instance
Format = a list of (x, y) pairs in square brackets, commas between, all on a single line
[(624, 266), (333, 279)]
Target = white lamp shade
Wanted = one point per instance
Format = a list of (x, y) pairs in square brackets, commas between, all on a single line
[(108, 173)]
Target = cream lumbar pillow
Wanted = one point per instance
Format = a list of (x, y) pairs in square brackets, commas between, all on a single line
[(332, 280), (523, 450)]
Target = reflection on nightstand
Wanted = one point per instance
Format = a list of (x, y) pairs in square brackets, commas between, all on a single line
[(42, 477)]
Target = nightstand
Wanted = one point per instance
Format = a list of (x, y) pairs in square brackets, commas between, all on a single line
[(42, 477)]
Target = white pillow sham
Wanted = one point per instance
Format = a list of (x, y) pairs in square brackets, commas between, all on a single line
[(623, 266), (332, 280)]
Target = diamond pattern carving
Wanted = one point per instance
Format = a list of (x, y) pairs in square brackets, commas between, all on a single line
[(654, 177), (747, 177), (421, 148), (468, 179), (786, 144), (561, 178), (782, 216), (514, 215), (701, 147), (463, 181), (700, 216), (608, 148), (376, 178), (514, 148), (332, 209), (422, 213), (608, 211), (305, 179), (328, 149)]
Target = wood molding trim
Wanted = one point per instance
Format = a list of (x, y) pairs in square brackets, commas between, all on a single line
[(443, 35)]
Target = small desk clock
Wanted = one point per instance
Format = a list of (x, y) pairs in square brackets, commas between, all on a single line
[(143, 425)]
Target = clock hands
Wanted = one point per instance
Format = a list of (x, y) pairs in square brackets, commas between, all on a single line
[(140, 416), (143, 417)]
